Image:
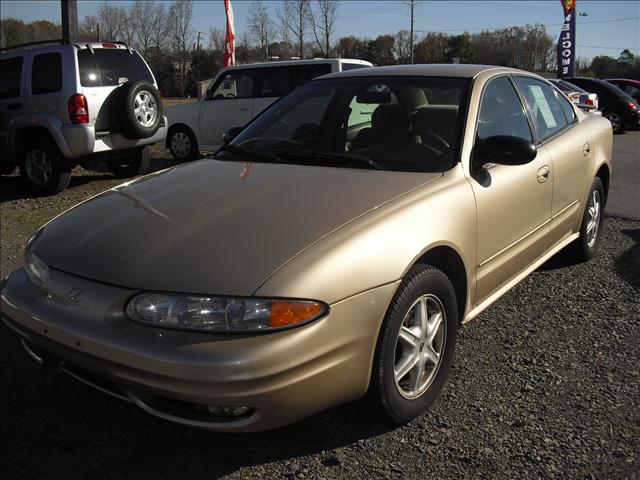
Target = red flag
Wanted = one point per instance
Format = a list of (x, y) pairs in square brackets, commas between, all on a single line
[(230, 37)]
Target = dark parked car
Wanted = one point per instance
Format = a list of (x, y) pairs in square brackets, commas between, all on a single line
[(620, 108), (630, 87)]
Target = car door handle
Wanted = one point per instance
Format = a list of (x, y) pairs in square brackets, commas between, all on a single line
[(14, 106), (543, 174), (586, 150)]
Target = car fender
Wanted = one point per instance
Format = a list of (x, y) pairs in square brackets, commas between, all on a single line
[(50, 122)]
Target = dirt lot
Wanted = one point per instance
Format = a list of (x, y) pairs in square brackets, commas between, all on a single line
[(545, 384)]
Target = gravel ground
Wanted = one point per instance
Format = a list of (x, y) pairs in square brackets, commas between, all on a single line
[(545, 384)]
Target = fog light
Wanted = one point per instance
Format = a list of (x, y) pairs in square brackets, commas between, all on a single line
[(228, 411)]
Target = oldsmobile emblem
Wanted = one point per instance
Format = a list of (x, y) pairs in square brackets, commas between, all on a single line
[(76, 294)]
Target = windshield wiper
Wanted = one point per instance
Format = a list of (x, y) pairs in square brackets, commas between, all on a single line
[(265, 156), (331, 156)]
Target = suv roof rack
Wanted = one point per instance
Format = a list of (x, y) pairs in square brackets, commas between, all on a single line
[(40, 42)]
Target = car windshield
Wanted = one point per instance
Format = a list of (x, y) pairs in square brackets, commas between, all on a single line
[(408, 124)]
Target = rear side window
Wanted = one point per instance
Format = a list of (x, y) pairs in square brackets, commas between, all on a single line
[(352, 66), (544, 106), (501, 112), (46, 73), (274, 82), (110, 67), (10, 76), (304, 73)]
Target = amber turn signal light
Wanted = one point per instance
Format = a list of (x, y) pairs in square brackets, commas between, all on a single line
[(286, 312)]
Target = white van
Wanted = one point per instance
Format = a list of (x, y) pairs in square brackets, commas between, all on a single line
[(237, 95)]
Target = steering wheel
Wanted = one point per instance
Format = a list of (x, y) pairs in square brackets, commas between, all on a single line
[(428, 133)]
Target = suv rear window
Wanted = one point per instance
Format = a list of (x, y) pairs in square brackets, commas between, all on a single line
[(109, 66)]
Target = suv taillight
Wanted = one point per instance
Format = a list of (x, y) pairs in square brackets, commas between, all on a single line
[(589, 102), (78, 109), (632, 105)]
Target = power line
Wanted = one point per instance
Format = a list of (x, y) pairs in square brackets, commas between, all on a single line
[(610, 48)]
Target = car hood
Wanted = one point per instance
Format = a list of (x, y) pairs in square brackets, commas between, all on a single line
[(212, 226)]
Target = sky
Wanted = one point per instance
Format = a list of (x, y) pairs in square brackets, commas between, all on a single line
[(608, 27)]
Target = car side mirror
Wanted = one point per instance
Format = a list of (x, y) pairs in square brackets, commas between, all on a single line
[(231, 134), (503, 150)]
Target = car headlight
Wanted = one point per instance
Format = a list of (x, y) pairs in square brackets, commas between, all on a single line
[(37, 271), (221, 314)]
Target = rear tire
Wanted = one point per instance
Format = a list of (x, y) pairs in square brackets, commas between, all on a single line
[(585, 247), (183, 144), (44, 168), (420, 329), (617, 123), (131, 166)]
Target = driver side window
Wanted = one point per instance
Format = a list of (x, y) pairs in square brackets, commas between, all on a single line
[(501, 112), (234, 84)]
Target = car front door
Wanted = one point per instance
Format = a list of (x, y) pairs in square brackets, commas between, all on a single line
[(513, 202), (229, 103), (568, 143)]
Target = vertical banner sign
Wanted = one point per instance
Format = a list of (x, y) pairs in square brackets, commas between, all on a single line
[(567, 41), (230, 37)]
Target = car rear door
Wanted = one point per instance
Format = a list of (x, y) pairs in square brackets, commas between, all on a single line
[(513, 202), (228, 104), (11, 95), (568, 143)]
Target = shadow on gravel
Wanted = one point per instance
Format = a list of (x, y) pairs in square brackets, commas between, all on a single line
[(560, 260), (14, 188), (628, 264)]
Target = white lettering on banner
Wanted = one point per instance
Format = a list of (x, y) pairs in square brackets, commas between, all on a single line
[(565, 27), (565, 70), (567, 18), (566, 44), (566, 61), (566, 53)]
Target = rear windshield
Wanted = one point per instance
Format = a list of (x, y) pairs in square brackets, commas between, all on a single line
[(110, 67)]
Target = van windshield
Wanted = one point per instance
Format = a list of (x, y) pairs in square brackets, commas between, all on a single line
[(111, 67)]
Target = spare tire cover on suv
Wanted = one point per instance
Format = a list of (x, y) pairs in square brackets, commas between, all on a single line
[(138, 109)]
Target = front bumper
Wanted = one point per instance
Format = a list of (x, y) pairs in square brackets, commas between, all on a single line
[(282, 376)]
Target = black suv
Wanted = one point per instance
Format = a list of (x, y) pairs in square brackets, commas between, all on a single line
[(621, 109)]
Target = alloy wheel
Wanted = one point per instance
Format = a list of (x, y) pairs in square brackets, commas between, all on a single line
[(593, 224), (420, 346), (39, 167), (145, 108)]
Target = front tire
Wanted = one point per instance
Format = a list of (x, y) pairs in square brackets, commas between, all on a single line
[(44, 168), (585, 247), (183, 144), (131, 166), (415, 347)]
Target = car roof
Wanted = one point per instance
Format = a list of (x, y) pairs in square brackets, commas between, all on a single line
[(428, 70), (289, 63), (624, 80)]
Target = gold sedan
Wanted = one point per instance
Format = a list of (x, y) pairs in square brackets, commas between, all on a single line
[(329, 251)]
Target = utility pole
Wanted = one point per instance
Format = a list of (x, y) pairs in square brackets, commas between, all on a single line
[(69, 17), (198, 41), (412, 6)]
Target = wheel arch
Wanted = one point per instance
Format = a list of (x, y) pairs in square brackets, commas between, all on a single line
[(604, 175), (449, 261)]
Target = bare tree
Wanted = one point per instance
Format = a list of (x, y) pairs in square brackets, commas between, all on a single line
[(128, 26), (323, 24), (283, 28), (216, 38), (296, 14), (112, 21), (88, 29), (144, 18), (261, 27), (180, 16), (159, 35)]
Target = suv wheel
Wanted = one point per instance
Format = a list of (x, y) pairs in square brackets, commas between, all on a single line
[(44, 168), (131, 166), (138, 109), (415, 347), (183, 144)]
